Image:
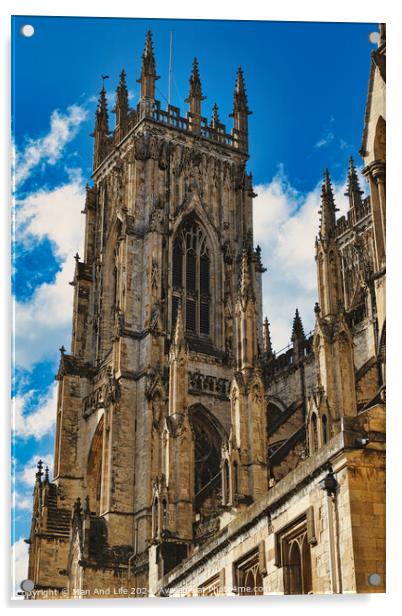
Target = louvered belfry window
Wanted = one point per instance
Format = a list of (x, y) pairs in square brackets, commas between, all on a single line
[(190, 278)]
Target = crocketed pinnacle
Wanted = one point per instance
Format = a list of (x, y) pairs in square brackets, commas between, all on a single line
[(148, 66), (267, 338), (215, 116), (328, 209), (195, 91), (39, 472), (246, 286), (122, 95), (148, 70), (102, 115), (178, 338), (353, 190), (240, 103), (297, 329)]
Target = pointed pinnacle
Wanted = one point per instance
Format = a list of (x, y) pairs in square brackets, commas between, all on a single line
[(353, 190), (39, 472), (267, 338), (195, 83), (102, 102), (148, 43), (240, 96), (178, 337), (240, 88), (122, 87), (148, 55), (102, 115), (246, 288), (121, 94), (215, 116), (148, 65), (297, 329), (328, 209), (327, 186)]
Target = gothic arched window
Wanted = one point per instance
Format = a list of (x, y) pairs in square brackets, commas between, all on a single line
[(191, 278), (298, 565), (208, 478), (314, 433), (235, 479), (248, 575), (294, 555), (324, 421), (155, 517), (226, 483)]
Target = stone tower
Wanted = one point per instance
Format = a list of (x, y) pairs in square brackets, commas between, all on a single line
[(161, 403), (190, 456), (333, 342)]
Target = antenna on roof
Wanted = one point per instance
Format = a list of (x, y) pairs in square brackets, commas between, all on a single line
[(170, 66)]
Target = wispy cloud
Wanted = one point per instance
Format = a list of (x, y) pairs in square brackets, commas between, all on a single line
[(325, 140), (49, 148), (328, 135)]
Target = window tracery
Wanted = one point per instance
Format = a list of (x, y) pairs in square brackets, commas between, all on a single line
[(191, 278)]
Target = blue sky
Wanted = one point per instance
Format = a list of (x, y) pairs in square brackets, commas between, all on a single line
[(307, 87)]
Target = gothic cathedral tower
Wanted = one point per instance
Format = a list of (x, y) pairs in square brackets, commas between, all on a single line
[(161, 406)]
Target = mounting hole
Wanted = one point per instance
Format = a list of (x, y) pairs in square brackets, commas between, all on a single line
[(374, 38), (374, 579), (27, 30), (27, 585)]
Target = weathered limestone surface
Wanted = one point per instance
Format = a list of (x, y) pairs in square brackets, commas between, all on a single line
[(190, 458)]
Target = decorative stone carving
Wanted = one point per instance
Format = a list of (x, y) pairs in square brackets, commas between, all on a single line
[(210, 385), (154, 275), (163, 159), (142, 146), (155, 322)]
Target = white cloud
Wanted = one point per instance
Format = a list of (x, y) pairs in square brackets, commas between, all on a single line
[(19, 565), (285, 225), (328, 134), (49, 149), (22, 502), (54, 214), (43, 324), (325, 140), (39, 422)]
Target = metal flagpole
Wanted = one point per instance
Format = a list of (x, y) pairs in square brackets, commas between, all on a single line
[(170, 66)]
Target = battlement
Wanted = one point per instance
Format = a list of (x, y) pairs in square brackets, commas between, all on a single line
[(172, 118), (285, 359), (149, 108)]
